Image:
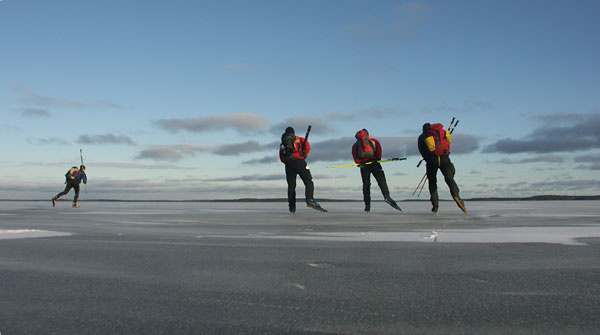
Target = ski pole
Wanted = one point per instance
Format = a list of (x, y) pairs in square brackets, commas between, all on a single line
[(422, 186), (81, 156), (456, 124), (422, 181), (308, 132), (306, 139), (371, 162)]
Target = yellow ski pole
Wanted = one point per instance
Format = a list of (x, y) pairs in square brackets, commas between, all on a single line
[(371, 162)]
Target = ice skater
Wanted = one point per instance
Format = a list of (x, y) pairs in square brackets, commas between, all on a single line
[(293, 152), (434, 146), (366, 153), (73, 178)]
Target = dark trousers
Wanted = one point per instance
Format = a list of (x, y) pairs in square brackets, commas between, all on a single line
[(377, 172), (71, 184), (447, 168), (292, 169)]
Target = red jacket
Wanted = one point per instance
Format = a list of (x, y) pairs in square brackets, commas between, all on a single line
[(301, 149)]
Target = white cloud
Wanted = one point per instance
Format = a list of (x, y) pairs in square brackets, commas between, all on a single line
[(244, 123)]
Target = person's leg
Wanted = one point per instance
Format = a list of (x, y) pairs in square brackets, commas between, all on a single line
[(76, 188), (379, 175), (306, 176), (290, 176), (66, 190), (365, 174), (448, 171), (432, 167)]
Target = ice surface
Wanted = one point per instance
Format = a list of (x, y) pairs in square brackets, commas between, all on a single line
[(562, 222)]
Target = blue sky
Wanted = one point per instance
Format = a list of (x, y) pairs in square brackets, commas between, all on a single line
[(188, 99)]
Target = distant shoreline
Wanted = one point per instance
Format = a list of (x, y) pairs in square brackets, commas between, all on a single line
[(532, 198)]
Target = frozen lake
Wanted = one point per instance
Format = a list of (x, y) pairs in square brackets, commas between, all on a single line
[(252, 268), (561, 222)]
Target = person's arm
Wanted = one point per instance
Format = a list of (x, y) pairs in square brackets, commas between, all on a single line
[(355, 154), (306, 146), (378, 150), (430, 143)]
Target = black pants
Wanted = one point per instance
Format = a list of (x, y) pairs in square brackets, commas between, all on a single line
[(377, 172), (71, 184), (447, 168), (292, 169)]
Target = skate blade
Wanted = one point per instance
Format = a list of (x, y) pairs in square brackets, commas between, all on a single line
[(460, 204)]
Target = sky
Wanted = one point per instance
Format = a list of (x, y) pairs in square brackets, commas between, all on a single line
[(186, 100)]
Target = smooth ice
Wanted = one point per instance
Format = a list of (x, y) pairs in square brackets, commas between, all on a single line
[(559, 222)]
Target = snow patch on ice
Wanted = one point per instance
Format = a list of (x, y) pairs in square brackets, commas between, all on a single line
[(556, 235), (6, 234)]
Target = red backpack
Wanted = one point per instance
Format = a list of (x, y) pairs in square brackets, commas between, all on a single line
[(442, 146), (365, 148)]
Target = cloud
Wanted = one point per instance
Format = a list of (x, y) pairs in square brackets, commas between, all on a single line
[(588, 159), (170, 152), (264, 160), (105, 139), (593, 160), (27, 96), (565, 185), (178, 152), (320, 125), (244, 123), (253, 177), (536, 159), (580, 133), (236, 149), (46, 141), (33, 112), (140, 166), (332, 150), (30, 97)]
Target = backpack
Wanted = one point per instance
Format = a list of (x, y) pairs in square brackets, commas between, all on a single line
[(287, 146), (442, 146), (365, 147), (72, 173)]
